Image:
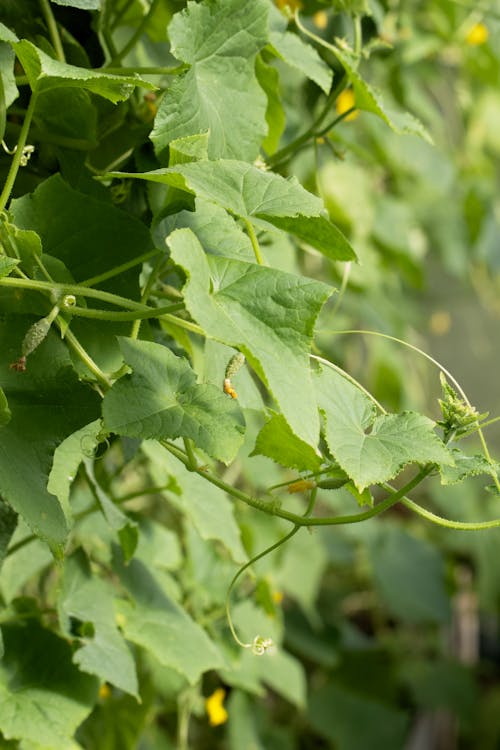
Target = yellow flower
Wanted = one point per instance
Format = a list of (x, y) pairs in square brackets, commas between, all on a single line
[(477, 34), (346, 101), (104, 691), (293, 5), (320, 19), (277, 597), (217, 714)]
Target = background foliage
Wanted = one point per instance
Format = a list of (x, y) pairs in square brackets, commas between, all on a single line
[(195, 179)]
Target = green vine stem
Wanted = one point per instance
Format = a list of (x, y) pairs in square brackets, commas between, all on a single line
[(446, 372), (155, 272), (84, 356), (18, 155), (253, 560), (151, 312), (76, 289), (120, 269), (53, 30), (447, 522), (273, 509), (287, 151), (146, 70), (255, 242)]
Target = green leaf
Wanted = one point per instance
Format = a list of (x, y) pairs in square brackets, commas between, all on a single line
[(82, 4), (6, 35), (466, 466), (409, 575), (394, 440), (126, 529), (90, 600), (219, 93), (47, 404), (354, 722), (44, 73), (43, 696), (8, 88), (217, 231), (253, 194), (269, 79), (8, 524), (318, 232), (162, 627), (267, 314), (205, 506), (67, 118), (67, 458), (7, 265), (5, 412), (90, 236), (189, 148), (277, 441), (292, 50), (370, 100), (161, 399)]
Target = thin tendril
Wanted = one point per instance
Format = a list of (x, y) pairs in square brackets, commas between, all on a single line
[(259, 556)]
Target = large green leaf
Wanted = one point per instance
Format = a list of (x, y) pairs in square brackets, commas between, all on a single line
[(393, 441), (161, 399), (158, 624), (43, 696), (409, 575), (219, 92), (44, 73), (90, 236), (259, 196), (267, 314), (466, 466), (89, 599), (47, 404)]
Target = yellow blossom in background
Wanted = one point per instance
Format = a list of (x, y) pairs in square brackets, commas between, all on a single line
[(277, 597), (477, 34), (217, 714), (104, 691), (440, 322), (293, 5), (346, 101), (320, 19)]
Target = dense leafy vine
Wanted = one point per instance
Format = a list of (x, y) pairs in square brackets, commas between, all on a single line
[(160, 285)]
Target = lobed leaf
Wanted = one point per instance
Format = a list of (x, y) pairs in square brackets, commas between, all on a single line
[(253, 194), (393, 441), (219, 92), (267, 314), (161, 399)]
